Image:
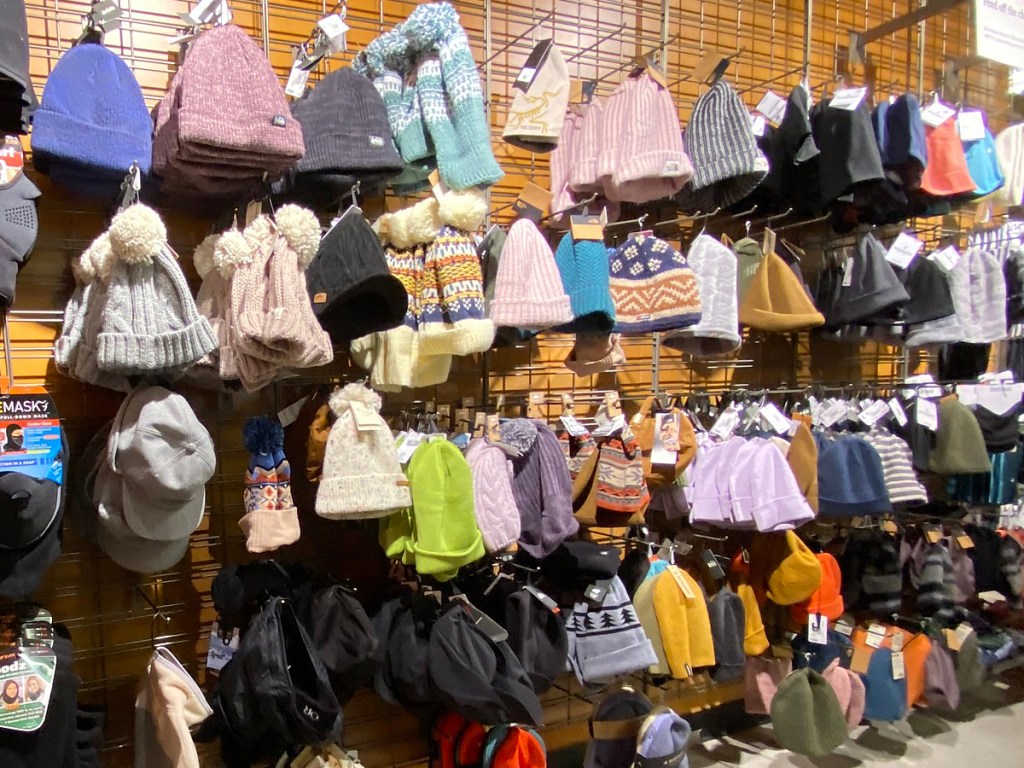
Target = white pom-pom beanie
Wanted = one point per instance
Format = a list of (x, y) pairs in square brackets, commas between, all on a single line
[(362, 478)]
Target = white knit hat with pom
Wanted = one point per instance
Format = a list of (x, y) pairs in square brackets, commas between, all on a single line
[(150, 321), (362, 478)]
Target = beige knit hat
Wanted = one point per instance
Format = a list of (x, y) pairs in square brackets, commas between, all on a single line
[(362, 478), (595, 353), (536, 116)]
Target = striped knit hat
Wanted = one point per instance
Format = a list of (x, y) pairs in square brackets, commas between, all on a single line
[(652, 286), (718, 332), (721, 144), (897, 469), (641, 157), (528, 290)]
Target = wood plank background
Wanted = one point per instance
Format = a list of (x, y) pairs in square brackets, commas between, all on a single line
[(111, 624)]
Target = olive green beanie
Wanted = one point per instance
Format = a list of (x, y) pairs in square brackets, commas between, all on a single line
[(959, 444), (806, 715)]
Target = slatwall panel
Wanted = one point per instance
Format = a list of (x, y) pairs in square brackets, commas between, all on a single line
[(112, 626)]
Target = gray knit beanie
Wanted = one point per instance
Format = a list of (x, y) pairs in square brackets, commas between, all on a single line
[(722, 147), (150, 321)]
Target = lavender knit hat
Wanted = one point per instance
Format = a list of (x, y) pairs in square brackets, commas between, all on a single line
[(528, 289), (493, 501), (150, 320)]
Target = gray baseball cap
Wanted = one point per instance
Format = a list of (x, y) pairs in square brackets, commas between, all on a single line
[(163, 457), (114, 536)]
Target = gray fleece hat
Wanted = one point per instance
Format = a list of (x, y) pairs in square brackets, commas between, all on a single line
[(725, 610), (150, 321)]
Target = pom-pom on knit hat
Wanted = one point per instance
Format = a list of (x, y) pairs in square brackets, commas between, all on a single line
[(496, 514), (722, 147), (528, 290), (352, 291), (150, 321), (92, 123), (652, 286), (361, 478), (776, 301), (584, 268), (806, 715), (715, 269)]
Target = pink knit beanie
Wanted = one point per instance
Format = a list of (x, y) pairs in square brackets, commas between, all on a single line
[(561, 163), (595, 353), (583, 173), (528, 290), (497, 516), (641, 156), (761, 678), (849, 690)]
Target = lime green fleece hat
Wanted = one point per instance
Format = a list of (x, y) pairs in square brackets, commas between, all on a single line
[(446, 536)]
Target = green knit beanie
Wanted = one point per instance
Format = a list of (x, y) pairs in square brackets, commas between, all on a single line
[(959, 444), (806, 715), (446, 536)]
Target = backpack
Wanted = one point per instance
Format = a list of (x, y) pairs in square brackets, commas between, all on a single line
[(457, 742)]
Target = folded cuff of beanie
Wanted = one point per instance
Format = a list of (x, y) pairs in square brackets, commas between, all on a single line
[(58, 137), (127, 353), (86, 368), (703, 342), (620, 661), (782, 513), (583, 176), (838, 508), (777, 322), (266, 530), (413, 143), (340, 152), (594, 300), (462, 338), (362, 497), (285, 331), (256, 137), (446, 563), (474, 166), (656, 164), (727, 167), (946, 330), (651, 323), (531, 314)]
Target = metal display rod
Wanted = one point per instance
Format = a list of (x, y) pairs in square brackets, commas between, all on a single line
[(858, 39)]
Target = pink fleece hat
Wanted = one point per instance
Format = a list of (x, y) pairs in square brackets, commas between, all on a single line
[(641, 157), (761, 678), (528, 290), (849, 690)]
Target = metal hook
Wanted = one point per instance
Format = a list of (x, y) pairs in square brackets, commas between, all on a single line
[(157, 614)]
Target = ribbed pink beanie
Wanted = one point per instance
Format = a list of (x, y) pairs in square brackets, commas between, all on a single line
[(561, 163), (583, 175), (497, 516), (641, 156), (761, 678), (849, 690), (528, 290)]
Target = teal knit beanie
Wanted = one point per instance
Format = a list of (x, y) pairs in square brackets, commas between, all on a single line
[(584, 268)]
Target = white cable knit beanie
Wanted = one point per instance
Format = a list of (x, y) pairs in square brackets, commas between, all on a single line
[(150, 320), (497, 515), (362, 478)]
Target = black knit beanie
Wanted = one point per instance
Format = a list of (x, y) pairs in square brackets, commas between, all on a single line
[(352, 291), (537, 636)]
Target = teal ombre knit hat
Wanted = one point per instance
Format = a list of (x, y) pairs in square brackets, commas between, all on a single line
[(584, 268)]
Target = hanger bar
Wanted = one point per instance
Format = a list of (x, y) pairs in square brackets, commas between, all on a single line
[(804, 223), (517, 38), (638, 221), (576, 206), (655, 49)]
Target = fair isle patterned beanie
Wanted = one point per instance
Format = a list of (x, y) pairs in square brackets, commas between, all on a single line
[(528, 290), (362, 478), (451, 320), (607, 641), (150, 321), (271, 520), (722, 147), (652, 286), (641, 156)]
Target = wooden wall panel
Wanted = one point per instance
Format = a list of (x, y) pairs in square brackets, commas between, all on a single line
[(112, 625)]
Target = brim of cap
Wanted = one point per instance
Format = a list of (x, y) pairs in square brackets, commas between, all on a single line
[(39, 524), (121, 544), (22, 570), (160, 519)]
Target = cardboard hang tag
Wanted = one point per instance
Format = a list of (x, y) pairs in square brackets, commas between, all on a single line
[(532, 65), (708, 64), (335, 30), (902, 252), (861, 659), (899, 670), (927, 413), (587, 227), (936, 113), (582, 91), (367, 419), (533, 202), (932, 533), (223, 646), (682, 583), (437, 185), (773, 107), (875, 636)]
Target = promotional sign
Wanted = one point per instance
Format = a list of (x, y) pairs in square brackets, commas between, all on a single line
[(26, 677), (999, 31)]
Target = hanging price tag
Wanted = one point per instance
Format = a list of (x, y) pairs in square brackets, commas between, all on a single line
[(775, 418), (682, 582), (903, 251), (876, 634), (848, 98), (365, 417), (572, 425), (222, 647), (335, 29), (843, 628), (817, 629), (726, 424), (408, 447), (758, 125), (897, 412), (971, 125), (297, 79), (772, 106), (947, 258), (927, 413), (897, 642), (848, 272), (899, 670), (936, 113), (873, 412)]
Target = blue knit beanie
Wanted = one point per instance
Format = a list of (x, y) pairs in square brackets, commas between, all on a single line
[(92, 123), (850, 478), (583, 266), (983, 164), (884, 698)]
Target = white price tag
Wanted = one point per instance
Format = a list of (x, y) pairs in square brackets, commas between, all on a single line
[(775, 418), (817, 629), (572, 425), (897, 642), (927, 413), (334, 27), (874, 412), (848, 272), (903, 251), (834, 413), (971, 125), (963, 631), (289, 414), (876, 634), (296, 87), (848, 98), (220, 652), (757, 125), (365, 417), (897, 412), (991, 597), (610, 426), (936, 113), (899, 670), (726, 424), (843, 628), (772, 106), (408, 447), (947, 258), (682, 583)]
